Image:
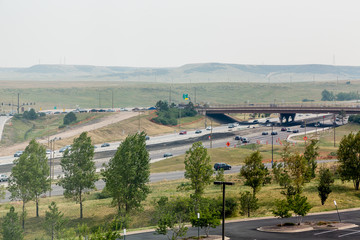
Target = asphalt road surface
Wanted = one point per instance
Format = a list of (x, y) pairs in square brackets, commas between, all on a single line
[(248, 229)]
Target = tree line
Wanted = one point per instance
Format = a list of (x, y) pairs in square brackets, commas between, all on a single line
[(341, 96), (127, 176), (168, 114)]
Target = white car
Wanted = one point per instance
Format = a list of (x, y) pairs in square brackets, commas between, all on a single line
[(3, 178), (208, 128)]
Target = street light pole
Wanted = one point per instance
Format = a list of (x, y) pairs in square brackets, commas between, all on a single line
[(223, 215), (272, 145)]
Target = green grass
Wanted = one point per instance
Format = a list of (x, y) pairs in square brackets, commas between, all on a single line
[(47, 95), (100, 211), (20, 130)]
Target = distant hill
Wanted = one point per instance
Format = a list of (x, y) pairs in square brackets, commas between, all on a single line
[(200, 72)]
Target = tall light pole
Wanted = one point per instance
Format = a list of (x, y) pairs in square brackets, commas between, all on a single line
[(272, 145), (52, 156), (223, 210)]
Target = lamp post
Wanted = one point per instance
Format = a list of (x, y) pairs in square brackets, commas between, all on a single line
[(223, 217), (198, 217), (272, 145), (52, 156)]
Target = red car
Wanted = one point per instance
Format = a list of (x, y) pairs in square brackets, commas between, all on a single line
[(182, 132)]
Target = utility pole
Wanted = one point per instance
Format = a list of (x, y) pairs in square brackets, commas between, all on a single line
[(195, 96), (139, 122), (334, 129), (18, 105), (99, 100), (112, 99), (170, 96), (211, 133)]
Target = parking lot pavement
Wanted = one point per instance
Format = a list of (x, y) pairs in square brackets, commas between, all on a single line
[(248, 229)]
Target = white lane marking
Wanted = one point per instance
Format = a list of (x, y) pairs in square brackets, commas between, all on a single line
[(348, 234), (326, 232)]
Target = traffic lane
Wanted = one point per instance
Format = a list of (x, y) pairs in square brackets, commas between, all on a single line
[(248, 229)]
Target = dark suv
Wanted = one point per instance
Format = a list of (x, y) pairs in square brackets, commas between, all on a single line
[(224, 166)]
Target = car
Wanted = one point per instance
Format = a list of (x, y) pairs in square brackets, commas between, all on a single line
[(256, 121), (235, 124), (302, 125), (48, 151), (147, 138), (105, 145), (267, 121), (238, 138), (64, 148), (288, 129), (167, 155), (198, 131), (274, 133), (3, 178), (283, 129), (295, 131), (18, 153), (245, 140), (102, 110), (183, 132), (268, 125), (230, 125), (94, 110), (317, 125), (264, 133), (225, 166), (209, 128), (110, 110)]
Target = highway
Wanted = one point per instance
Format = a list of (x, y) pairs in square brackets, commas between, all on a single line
[(221, 136)]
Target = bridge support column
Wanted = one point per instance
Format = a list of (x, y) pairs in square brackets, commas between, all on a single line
[(287, 116)]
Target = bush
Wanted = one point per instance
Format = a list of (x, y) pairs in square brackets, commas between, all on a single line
[(231, 206), (69, 118)]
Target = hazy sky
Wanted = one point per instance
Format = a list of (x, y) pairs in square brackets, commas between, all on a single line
[(162, 33)]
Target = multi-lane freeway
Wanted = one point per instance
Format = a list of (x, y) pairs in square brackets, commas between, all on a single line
[(179, 144)]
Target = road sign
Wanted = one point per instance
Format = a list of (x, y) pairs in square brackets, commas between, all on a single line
[(185, 96), (305, 138), (227, 144)]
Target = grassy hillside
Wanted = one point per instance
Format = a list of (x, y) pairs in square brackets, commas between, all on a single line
[(48, 95), (18, 130)]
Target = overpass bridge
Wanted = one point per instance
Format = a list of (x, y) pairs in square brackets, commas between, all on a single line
[(286, 111)]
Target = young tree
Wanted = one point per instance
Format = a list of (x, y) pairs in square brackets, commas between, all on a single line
[(326, 179), (281, 175), (310, 155), (281, 210), (248, 203), (54, 221), (39, 170), (79, 170), (11, 229), (29, 176), (300, 206), (209, 216), (349, 159), (254, 172), (172, 216), (128, 172), (198, 169), (297, 168)]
